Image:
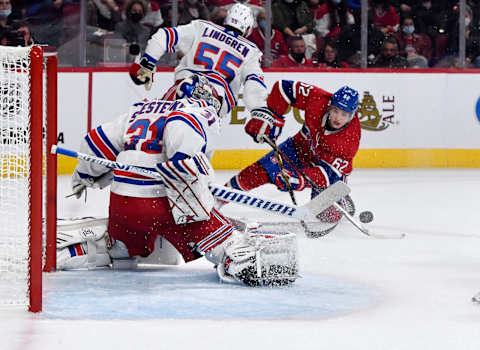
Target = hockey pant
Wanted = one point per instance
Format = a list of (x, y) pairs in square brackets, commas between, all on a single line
[(138, 221)]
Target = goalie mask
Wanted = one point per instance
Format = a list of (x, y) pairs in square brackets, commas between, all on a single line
[(198, 87), (240, 17)]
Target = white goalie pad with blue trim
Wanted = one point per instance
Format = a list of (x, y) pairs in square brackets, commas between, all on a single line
[(186, 183)]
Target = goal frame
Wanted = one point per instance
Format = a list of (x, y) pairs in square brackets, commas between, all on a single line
[(42, 176)]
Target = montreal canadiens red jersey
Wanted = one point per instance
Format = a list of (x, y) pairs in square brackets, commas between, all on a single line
[(314, 143)]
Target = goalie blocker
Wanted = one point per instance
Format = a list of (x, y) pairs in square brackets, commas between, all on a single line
[(250, 256)]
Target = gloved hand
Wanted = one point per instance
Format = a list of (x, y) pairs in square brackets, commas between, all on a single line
[(142, 72), (80, 182), (264, 122), (296, 180)]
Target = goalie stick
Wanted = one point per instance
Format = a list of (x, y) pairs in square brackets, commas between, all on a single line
[(308, 211), (349, 217)]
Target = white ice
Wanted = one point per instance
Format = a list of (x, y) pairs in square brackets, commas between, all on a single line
[(355, 292)]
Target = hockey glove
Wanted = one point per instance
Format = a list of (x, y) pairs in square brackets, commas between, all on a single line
[(81, 181), (264, 122), (297, 181), (142, 72)]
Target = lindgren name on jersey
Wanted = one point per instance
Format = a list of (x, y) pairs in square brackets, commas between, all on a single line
[(227, 39)]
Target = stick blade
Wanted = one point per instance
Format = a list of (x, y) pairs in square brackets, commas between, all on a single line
[(327, 197)]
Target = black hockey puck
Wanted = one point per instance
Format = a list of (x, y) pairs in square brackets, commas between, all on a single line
[(366, 216)]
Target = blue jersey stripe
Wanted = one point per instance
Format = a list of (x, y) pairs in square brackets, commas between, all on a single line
[(93, 147), (107, 141), (137, 181)]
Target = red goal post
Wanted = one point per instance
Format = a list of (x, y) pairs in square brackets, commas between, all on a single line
[(28, 173)]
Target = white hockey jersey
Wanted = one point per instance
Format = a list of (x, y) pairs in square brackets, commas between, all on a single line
[(151, 132), (225, 58)]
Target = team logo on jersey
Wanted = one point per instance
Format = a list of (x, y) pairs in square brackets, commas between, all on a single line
[(370, 116)]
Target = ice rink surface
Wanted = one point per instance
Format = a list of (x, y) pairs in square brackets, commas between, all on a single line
[(355, 292)]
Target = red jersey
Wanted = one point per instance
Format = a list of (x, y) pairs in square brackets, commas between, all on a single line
[(277, 43), (314, 143), (288, 61), (390, 19)]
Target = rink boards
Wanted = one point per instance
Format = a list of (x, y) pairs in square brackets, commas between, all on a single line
[(414, 119)]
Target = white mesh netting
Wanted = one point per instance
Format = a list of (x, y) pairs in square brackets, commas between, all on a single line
[(14, 171)]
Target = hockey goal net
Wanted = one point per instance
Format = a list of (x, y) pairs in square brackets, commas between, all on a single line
[(28, 127)]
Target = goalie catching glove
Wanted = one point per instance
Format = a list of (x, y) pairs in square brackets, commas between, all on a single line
[(186, 183), (264, 122), (142, 72)]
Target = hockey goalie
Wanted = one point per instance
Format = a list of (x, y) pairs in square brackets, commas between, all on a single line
[(150, 220)]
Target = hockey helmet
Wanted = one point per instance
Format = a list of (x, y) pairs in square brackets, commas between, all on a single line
[(346, 99), (240, 17), (198, 87)]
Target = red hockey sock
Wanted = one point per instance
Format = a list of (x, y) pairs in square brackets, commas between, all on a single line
[(251, 177)]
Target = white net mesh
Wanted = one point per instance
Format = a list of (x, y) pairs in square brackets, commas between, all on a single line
[(14, 172)]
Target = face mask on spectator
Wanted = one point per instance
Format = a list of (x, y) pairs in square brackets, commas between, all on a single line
[(298, 56), (136, 17), (262, 24), (408, 29), (467, 21), (289, 1), (5, 13)]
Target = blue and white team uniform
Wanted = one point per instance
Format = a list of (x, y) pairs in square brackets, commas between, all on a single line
[(154, 132), (227, 59)]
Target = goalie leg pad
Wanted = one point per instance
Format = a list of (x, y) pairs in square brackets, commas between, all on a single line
[(186, 183), (257, 258), (81, 243)]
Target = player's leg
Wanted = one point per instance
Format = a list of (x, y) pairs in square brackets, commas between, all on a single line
[(265, 170), (137, 222), (82, 243)]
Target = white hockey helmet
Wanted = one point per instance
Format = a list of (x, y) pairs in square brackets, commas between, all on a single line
[(240, 17)]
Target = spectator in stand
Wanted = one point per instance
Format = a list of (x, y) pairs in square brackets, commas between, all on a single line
[(327, 57), (45, 18), (218, 15), (330, 17), (415, 46), (384, 16), (431, 19), (5, 12), (131, 29), (348, 41), (277, 43), (254, 5), (472, 38), (167, 16), (292, 17), (404, 7), (296, 56), (22, 28), (153, 18), (191, 10), (389, 57), (108, 14)]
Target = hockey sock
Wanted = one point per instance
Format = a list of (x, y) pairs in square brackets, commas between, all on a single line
[(249, 178)]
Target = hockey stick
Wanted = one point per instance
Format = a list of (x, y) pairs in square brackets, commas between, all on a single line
[(308, 211), (350, 218), (309, 233)]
